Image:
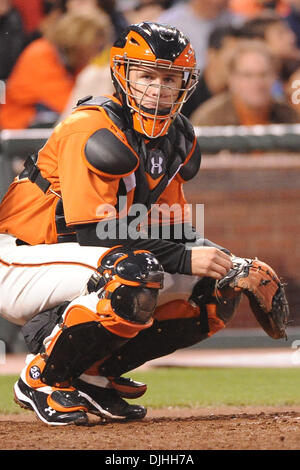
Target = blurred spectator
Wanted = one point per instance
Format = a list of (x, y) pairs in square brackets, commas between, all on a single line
[(248, 101), (128, 5), (293, 18), (110, 7), (117, 18), (250, 8), (12, 37), (146, 10), (81, 6), (42, 80), (275, 32), (52, 10), (197, 18), (31, 12), (94, 80), (213, 79)]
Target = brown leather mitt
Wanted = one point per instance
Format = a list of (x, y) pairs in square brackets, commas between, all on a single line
[(266, 294)]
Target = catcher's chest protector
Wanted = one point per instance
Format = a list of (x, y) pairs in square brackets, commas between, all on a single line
[(93, 156), (148, 166)]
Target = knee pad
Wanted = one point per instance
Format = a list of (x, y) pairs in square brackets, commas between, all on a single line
[(127, 283)]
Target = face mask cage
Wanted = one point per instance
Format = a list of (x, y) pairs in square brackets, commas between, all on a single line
[(160, 113)]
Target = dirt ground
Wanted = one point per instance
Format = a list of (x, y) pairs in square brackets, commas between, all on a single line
[(171, 429), (168, 429)]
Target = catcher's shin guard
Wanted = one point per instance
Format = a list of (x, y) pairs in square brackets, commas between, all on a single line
[(120, 302), (178, 324)]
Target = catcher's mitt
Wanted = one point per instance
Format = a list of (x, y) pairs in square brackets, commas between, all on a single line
[(265, 292)]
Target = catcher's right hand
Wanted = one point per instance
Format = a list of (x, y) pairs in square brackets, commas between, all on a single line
[(266, 294)]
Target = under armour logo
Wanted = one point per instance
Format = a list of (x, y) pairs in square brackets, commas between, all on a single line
[(50, 411), (156, 163)]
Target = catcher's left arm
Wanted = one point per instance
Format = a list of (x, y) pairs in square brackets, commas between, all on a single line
[(266, 293)]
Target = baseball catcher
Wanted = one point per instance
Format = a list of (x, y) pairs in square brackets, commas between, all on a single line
[(97, 294)]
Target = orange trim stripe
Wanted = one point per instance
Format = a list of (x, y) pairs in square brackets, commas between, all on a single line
[(189, 156), (107, 252), (31, 265), (56, 406)]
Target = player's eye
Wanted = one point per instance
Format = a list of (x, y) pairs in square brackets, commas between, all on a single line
[(169, 80), (146, 76)]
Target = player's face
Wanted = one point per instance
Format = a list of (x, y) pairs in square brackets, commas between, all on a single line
[(153, 87)]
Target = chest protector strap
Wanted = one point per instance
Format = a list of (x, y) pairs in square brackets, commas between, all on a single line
[(33, 173)]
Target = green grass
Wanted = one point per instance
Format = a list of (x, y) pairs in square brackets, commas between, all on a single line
[(200, 387), (7, 404), (196, 387)]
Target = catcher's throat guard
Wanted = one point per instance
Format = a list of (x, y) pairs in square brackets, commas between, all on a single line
[(264, 290)]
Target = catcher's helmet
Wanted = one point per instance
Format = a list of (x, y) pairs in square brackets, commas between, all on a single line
[(158, 48)]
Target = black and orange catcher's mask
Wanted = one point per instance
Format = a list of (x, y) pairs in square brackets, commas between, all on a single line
[(127, 283), (157, 47)]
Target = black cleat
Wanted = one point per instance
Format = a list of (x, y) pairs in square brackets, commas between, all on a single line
[(38, 401), (107, 403)]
